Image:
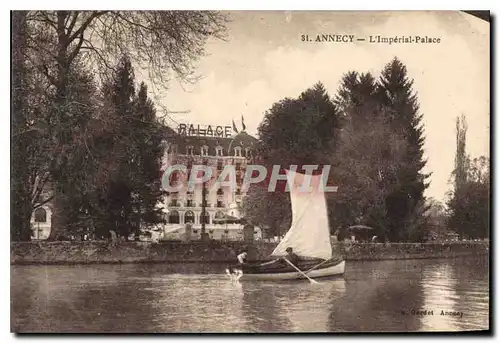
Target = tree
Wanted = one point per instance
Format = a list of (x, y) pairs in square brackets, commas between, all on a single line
[(76, 183), (30, 152), (356, 91), (366, 163), (127, 146), (367, 157), (148, 136), (461, 158), (436, 212), (469, 202), (298, 132), (271, 211), (159, 41), (406, 204), (469, 210), (117, 151)]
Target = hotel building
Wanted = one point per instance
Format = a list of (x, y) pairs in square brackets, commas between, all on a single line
[(185, 206)]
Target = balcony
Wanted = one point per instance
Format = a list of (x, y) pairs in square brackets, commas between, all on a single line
[(174, 203)]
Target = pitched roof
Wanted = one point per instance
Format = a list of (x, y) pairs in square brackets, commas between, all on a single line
[(242, 139)]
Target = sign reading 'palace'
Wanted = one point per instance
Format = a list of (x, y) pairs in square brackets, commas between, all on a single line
[(204, 130)]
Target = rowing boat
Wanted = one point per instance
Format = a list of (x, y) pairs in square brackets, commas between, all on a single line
[(308, 236)]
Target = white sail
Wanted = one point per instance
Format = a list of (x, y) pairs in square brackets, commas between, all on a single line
[(309, 234)]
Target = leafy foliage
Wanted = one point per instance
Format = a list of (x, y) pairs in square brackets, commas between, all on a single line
[(269, 210), (406, 203), (469, 203), (128, 174), (59, 43), (299, 131), (366, 169), (377, 155), (294, 132)]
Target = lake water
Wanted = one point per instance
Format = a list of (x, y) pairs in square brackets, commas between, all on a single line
[(374, 296)]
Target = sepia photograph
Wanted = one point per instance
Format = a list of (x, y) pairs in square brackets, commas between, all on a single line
[(203, 171)]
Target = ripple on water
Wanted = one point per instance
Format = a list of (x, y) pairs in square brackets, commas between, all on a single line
[(162, 299)]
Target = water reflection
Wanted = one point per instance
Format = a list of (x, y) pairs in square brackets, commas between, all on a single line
[(289, 306), (202, 304), (439, 285), (73, 299), (375, 296), (456, 288)]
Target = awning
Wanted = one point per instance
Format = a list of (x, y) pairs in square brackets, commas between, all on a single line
[(359, 228), (227, 219)]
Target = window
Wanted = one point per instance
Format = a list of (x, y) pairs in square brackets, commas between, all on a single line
[(164, 216), (220, 203), (248, 153), (220, 191), (220, 166), (40, 215), (238, 191), (189, 217), (173, 217), (219, 215), (190, 150), (174, 178), (195, 231), (237, 151), (219, 151), (189, 203), (204, 150), (172, 149)]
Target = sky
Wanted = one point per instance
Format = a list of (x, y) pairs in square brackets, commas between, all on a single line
[(263, 60)]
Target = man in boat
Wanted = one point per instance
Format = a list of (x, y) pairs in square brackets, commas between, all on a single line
[(291, 256), (242, 257)]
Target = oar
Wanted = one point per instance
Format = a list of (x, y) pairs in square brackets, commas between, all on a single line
[(316, 266), (300, 271)]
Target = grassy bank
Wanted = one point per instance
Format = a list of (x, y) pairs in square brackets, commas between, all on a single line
[(174, 252)]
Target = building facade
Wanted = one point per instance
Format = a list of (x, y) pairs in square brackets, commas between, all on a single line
[(41, 222), (183, 208)]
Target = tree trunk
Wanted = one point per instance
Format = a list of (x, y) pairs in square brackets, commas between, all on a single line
[(58, 135)]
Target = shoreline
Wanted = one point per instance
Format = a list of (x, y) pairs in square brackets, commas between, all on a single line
[(97, 263), (216, 252)]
